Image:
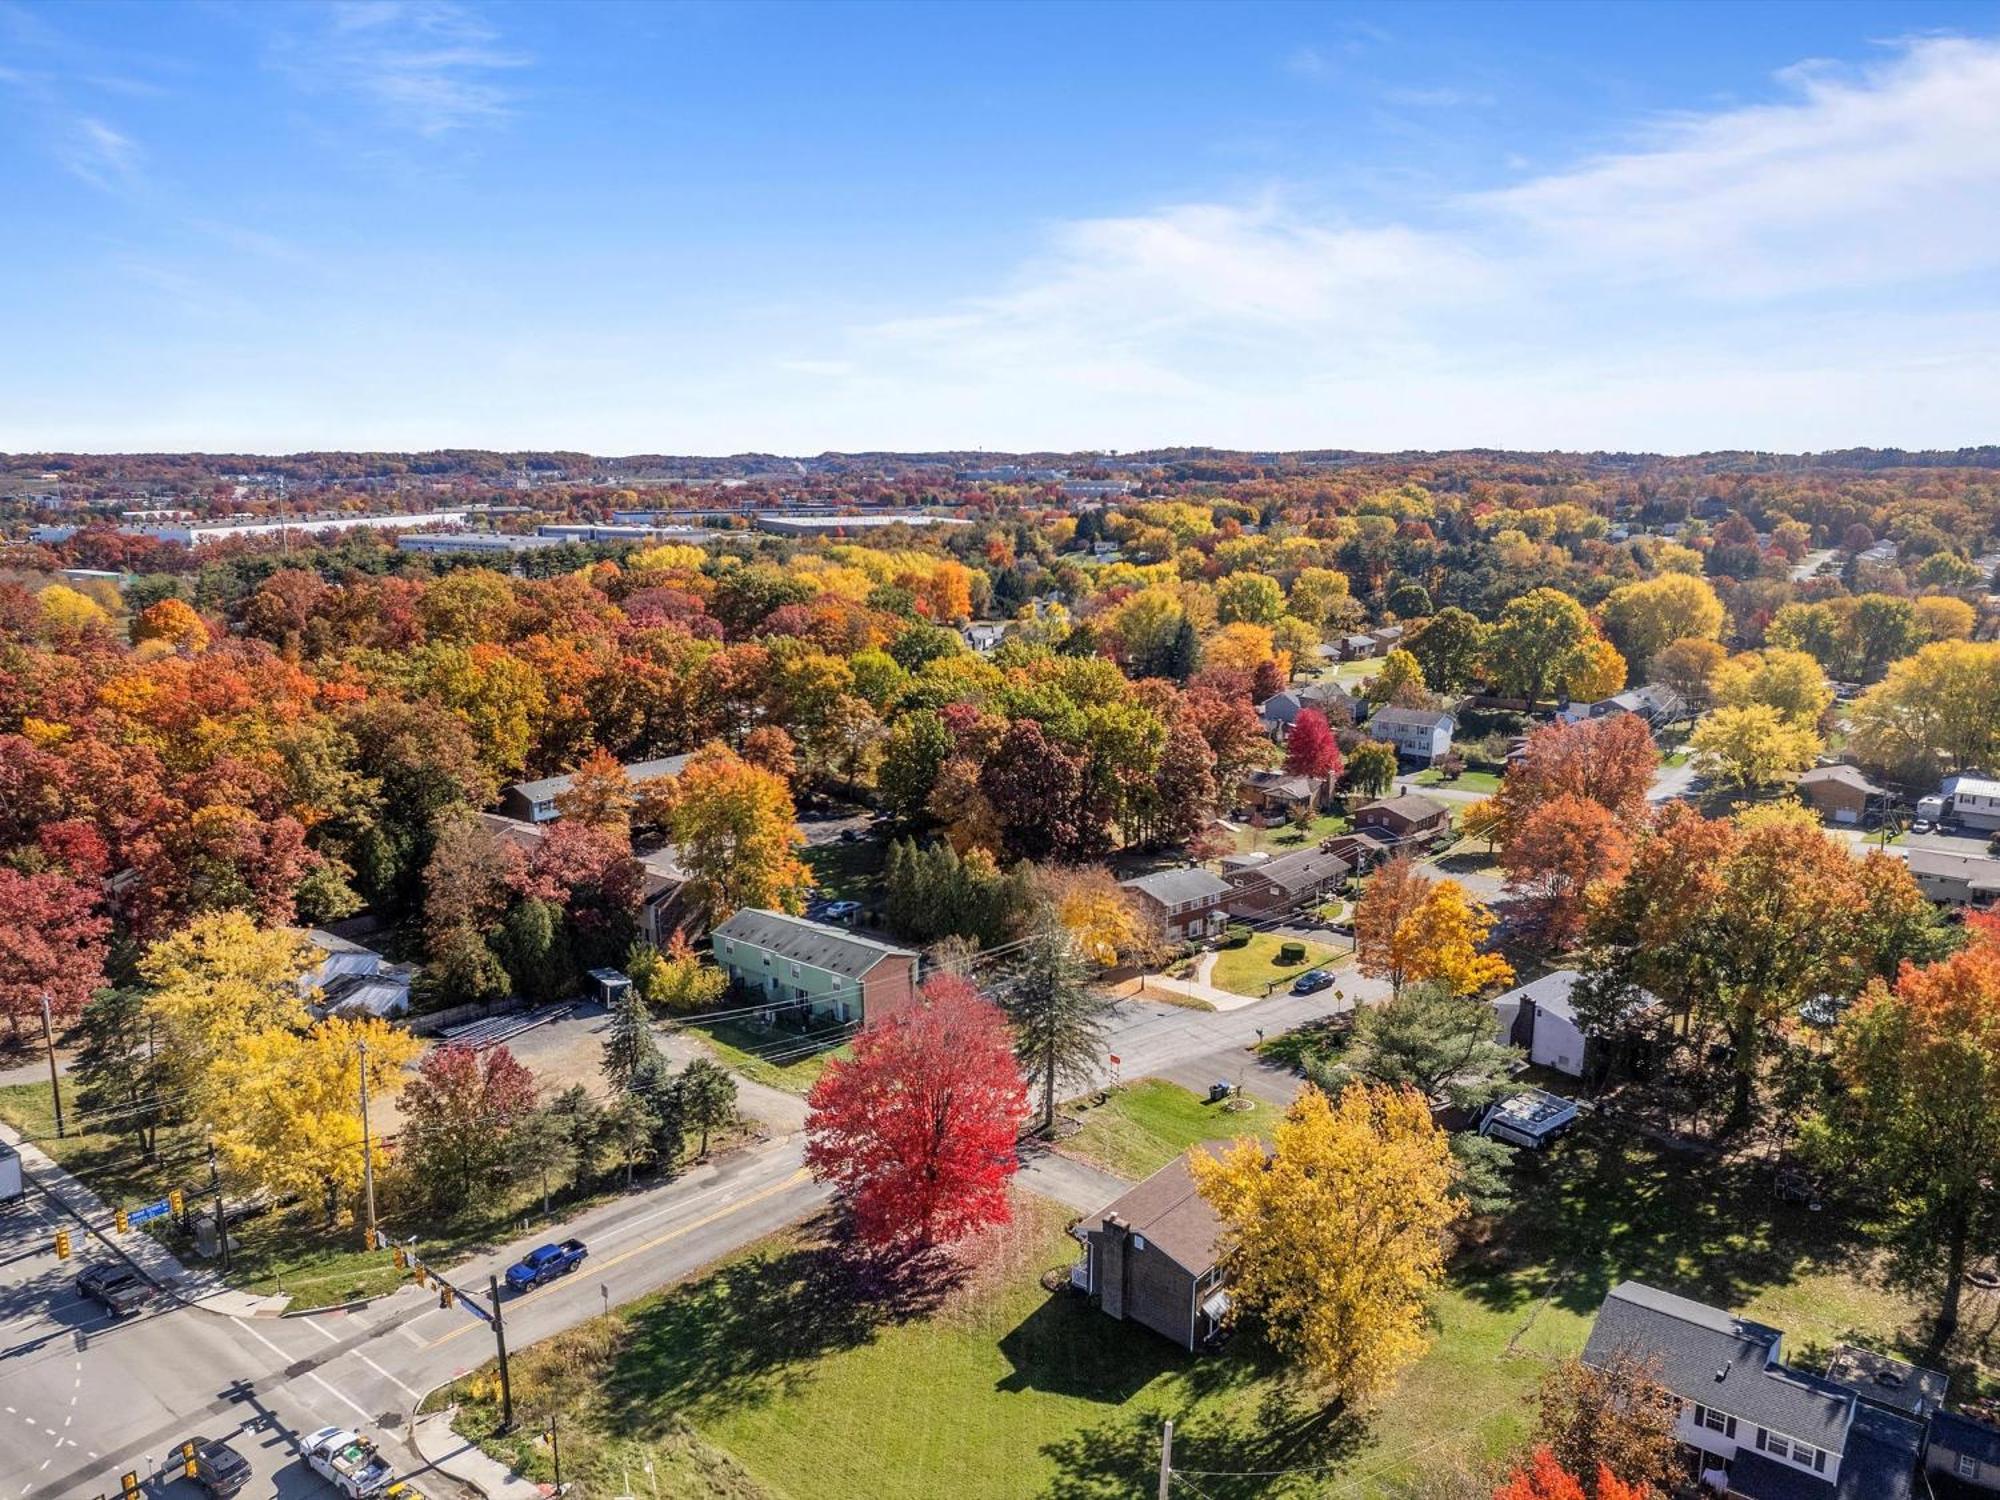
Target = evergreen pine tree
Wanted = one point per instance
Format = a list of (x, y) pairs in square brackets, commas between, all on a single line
[(115, 1069), (1058, 1019), (631, 1051)]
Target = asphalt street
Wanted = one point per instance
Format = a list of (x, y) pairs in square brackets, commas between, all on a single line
[(84, 1398)]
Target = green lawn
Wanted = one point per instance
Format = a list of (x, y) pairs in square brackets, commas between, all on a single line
[(989, 1388), (1465, 781), (847, 872), (783, 1059), (1282, 838), (1140, 1129), (1254, 969)]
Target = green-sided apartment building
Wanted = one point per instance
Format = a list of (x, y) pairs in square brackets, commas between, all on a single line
[(834, 974)]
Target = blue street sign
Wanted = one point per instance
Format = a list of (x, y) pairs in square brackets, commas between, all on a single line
[(474, 1308), (150, 1212)]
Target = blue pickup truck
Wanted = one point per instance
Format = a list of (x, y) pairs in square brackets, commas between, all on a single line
[(544, 1264)]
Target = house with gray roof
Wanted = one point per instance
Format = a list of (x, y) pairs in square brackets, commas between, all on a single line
[(1754, 1425), (1963, 1456), (1419, 734), (535, 801), (1654, 702), (812, 973), (1955, 879), (1185, 905), (1153, 1257), (1288, 883)]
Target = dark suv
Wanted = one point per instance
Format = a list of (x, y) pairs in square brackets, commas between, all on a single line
[(120, 1289), (218, 1468)]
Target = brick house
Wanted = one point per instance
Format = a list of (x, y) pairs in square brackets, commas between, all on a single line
[(1184, 905), (1152, 1258), (1288, 883), (813, 971), (1409, 817), (1841, 794)]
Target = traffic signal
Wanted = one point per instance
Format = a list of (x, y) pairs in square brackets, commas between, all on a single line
[(447, 1294), (121, 1221), (128, 1486), (187, 1460), (402, 1258), (62, 1244), (176, 1203)]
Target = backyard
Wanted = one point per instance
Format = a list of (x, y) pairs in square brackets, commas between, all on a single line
[(1139, 1129), (783, 1059), (824, 1378)]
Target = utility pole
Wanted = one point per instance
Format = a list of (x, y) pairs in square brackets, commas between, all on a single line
[(367, 1150), (221, 1224), (55, 1083), (500, 1341), (1166, 1458)]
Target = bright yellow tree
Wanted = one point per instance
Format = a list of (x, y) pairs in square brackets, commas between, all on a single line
[(736, 830), (1400, 669), (1938, 709), (1440, 939), (218, 980), (1090, 903), (1337, 1238), (1644, 617), (1751, 746), (1596, 671), (293, 1122), (65, 611), (1243, 645), (1789, 681)]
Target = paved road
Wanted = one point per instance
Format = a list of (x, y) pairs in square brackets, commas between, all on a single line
[(83, 1399)]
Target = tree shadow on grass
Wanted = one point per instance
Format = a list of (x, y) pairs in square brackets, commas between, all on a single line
[(1224, 1449), (1606, 1205), (751, 1331)]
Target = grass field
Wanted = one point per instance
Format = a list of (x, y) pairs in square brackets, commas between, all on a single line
[(1140, 1129), (1254, 969), (783, 1059), (847, 872), (823, 1380), (1282, 838), (1465, 781)]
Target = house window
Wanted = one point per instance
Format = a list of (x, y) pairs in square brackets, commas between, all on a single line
[(1715, 1421), (795, 971), (1967, 1466)]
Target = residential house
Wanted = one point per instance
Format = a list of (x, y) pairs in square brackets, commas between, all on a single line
[(1363, 848), (1842, 794), (535, 801), (813, 971), (1966, 1451), (1419, 734), (662, 913), (1152, 1257), (984, 636), (354, 980), (1281, 710), (1406, 818), (1358, 647), (1655, 704), (1185, 905), (1278, 794), (1750, 1423), (1387, 637), (1540, 1018), (1973, 801), (1882, 555), (1955, 879), (1289, 883)]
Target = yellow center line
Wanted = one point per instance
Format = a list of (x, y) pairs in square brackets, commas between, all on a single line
[(801, 1175)]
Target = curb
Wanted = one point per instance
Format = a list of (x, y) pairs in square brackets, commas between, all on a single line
[(332, 1307)]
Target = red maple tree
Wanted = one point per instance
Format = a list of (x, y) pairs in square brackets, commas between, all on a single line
[(52, 940), (1542, 1478), (916, 1131), (1310, 749)]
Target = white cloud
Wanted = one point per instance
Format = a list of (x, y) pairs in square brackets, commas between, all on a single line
[(1751, 275), (101, 156), (427, 66)]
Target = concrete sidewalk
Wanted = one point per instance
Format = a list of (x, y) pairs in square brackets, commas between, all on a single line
[(451, 1455), (1065, 1180), (75, 1204)]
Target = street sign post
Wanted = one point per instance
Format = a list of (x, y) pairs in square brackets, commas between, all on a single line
[(149, 1212)]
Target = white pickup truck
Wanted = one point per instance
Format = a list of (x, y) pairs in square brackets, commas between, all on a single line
[(349, 1462)]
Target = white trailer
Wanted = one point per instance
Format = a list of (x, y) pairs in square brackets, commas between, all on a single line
[(12, 1184)]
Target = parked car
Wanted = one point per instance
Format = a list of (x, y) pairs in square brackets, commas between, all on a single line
[(544, 1264), (849, 836), (218, 1468), (1311, 982), (842, 911), (1923, 825)]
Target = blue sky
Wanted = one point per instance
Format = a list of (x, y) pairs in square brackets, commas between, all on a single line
[(710, 228)]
